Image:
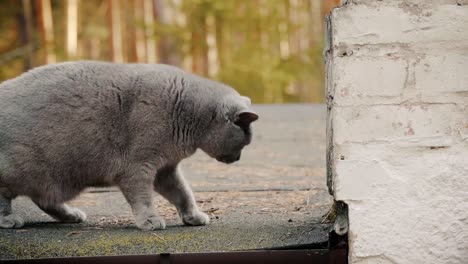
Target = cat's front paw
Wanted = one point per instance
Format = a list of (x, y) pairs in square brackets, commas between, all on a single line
[(74, 215), (11, 221), (151, 223), (196, 219)]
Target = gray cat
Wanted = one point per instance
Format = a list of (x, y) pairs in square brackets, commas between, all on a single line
[(69, 126)]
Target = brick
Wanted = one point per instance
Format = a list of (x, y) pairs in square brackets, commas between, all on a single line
[(397, 122), (391, 23), (368, 80), (443, 78)]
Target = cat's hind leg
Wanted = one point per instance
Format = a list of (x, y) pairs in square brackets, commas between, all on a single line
[(7, 218), (63, 212), (171, 184)]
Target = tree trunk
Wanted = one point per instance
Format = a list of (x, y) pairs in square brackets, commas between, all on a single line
[(167, 51), (116, 31), (148, 16), (46, 28), (212, 49), (219, 30), (315, 22), (285, 49), (140, 49), (328, 5), (27, 34), (199, 45), (72, 28)]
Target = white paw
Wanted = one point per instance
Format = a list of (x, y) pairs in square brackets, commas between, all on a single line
[(196, 219), (151, 223), (75, 215), (11, 221)]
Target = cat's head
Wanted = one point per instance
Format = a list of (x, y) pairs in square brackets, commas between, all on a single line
[(230, 130)]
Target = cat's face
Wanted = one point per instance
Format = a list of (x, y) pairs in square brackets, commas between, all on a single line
[(229, 135)]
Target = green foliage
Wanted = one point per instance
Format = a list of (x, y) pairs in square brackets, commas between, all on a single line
[(251, 36), (266, 79), (255, 67)]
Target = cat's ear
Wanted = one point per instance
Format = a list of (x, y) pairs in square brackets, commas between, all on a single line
[(247, 99), (245, 117)]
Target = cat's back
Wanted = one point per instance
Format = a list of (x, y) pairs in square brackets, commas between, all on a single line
[(72, 78), (72, 96), (69, 100), (61, 77)]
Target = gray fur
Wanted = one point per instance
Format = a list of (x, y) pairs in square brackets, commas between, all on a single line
[(69, 126)]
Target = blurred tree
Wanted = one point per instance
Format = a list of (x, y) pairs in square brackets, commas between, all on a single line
[(167, 51), (27, 33), (72, 28), (270, 50), (116, 30), (139, 33), (199, 48), (46, 29), (148, 16)]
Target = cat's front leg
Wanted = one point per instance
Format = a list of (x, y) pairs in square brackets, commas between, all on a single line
[(136, 188), (170, 183), (7, 218)]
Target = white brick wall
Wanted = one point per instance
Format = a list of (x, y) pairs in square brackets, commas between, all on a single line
[(398, 126)]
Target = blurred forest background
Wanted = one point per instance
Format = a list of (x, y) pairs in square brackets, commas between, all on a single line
[(270, 50)]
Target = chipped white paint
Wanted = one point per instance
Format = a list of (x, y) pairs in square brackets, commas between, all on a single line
[(398, 128)]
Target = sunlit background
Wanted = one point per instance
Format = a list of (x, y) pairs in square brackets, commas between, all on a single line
[(270, 50)]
